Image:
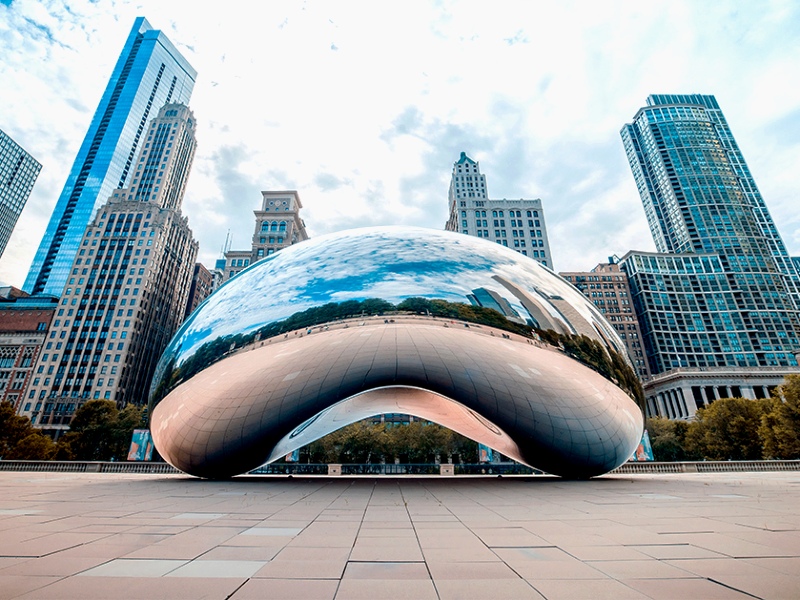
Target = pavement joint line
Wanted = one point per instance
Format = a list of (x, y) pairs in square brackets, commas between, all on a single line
[(761, 565)]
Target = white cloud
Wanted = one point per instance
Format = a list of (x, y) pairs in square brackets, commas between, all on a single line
[(367, 133)]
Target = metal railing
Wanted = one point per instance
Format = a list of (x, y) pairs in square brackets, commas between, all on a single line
[(390, 469), (87, 466), (496, 469), (488, 469), (291, 469)]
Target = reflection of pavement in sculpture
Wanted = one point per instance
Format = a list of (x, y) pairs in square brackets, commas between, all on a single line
[(265, 365), (562, 417)]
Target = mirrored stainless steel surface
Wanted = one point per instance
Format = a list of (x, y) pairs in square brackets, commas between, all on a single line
[(458, 322)]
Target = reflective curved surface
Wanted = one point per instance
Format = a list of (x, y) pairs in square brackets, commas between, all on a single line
[(455, 329)]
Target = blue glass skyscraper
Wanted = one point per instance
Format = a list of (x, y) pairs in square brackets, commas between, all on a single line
[(149, 73)]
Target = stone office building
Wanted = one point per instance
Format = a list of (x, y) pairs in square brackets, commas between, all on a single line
[(517, 224), (278, 225), (128, 286)]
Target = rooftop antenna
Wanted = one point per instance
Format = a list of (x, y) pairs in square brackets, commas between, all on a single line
[(227, 245)]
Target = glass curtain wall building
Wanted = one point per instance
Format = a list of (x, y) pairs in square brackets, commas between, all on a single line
[(149, 73), (18, 173), (721, 291)]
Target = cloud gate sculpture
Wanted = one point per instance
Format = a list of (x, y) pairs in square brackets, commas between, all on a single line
[(439, 325)]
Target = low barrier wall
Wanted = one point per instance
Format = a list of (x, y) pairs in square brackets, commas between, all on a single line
[(631, 468)]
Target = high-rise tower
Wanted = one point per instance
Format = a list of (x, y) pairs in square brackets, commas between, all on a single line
[(128, 286), (18, 173), (149, 73), (698, 193), (720, 295), (518, 224)]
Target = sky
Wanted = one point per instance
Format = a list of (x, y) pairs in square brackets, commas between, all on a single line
[(363, 107)]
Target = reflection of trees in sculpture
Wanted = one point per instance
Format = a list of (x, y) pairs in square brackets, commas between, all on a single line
[(463, 312), (604, 360), (211, 352), (590, 352)]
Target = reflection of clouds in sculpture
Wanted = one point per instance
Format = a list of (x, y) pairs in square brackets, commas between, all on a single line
[(228, 401), (388, 263)]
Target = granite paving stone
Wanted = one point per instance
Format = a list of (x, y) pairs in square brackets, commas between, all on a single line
[(97, 536), (480, 589), (287, 589)]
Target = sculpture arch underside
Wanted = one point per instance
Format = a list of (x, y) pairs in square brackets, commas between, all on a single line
[(530, 402)]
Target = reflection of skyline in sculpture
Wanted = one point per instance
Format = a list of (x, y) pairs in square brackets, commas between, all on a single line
[(490, 299), (268, 351), (418, 268)]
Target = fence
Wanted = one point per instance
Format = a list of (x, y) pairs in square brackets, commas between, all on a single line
[(489, 469)]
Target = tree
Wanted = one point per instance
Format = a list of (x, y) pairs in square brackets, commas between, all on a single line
[(668, 439), (101, 432), (19, 440), (13, 428), (364, 442), (728, 429), (34, 446), (780, 426)]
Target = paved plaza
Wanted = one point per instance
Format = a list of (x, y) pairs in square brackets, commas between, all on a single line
[(107, 536)]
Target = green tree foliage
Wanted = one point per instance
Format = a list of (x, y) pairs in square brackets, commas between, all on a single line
[(99, 431), (668, 439), (19, 440), (34, 446), (780, 427), (365, 442), (360, 442), (728, 429), (463, 312)]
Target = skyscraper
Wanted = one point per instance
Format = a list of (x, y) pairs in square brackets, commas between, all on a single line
[(128, 286), (517, 224), (18, 173), (719, 296), (278, 224), (149, 73)]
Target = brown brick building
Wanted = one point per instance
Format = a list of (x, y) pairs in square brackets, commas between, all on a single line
[(24, 322)]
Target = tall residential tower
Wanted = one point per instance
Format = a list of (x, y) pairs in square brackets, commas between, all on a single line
[(518, 224), (149, 73), (717, 302)]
